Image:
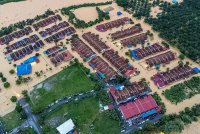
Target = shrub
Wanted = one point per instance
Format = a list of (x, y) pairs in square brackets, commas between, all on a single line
[(13, 98), (12, 71), (1, 74), (3, 79), (7, 85)]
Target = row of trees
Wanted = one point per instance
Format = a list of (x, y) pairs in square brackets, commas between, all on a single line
[(183, 90), (159, 102), (20, 25), (4, 80), (179, 25), (81, 23), (173, 123)]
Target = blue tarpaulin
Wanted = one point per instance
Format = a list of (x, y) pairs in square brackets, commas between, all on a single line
[(134, 55), (119, 13), (24, 69), (119, 87), (151, 112), (196, 70), (30, 60), (174, 1), (92, 65), (101, 75)]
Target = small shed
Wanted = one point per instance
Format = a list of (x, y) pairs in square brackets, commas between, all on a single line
[(66, 127)]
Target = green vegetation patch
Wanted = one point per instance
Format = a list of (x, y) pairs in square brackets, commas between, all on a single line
[(183, 91), (81, 23), (71, 80), (8, 1), (159, 102), (179, 25), (173, 123), (105, 125), (27, 131), (11, 120), (86, 116)]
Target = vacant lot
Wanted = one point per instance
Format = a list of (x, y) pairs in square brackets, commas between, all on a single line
[(85, 115), (69, 81), (11, 120)]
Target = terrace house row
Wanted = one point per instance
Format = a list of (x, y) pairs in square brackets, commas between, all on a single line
[(120, 63), (58, 55), (134, 40), (82, 49), (46, 22), (163, 79), (18, 34), (95, 42), (130, 92), (127, 32), (22, 43), (116, 23), (19, 54), (164, 58), (60, 35), (53, 29), (141, 53), (101, 67)]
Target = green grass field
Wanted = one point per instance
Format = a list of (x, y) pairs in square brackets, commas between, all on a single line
[(105, 125), (8, 1), (86, 117), (11, 120), (69, 81)]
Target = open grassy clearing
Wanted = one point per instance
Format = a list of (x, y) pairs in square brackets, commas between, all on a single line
[(183, 91), (11, 120), (69, 81), (8, 1), (105, 125), (85, 115)]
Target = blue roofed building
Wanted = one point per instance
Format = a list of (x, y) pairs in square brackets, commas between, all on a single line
[(24, 69)]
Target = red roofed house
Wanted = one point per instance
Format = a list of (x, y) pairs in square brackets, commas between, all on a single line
[(129, 92), (138, 107)]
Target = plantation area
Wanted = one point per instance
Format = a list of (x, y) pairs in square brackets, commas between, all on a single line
[(183, 91), (179, 25), (85, 115), (139, 8), (71, 80), (11, 120)]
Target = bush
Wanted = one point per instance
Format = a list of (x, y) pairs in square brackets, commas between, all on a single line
[(18, 108), (3, 79), (13, 98), (1, 74), (7, 85), (181, 56), (12, 71)]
